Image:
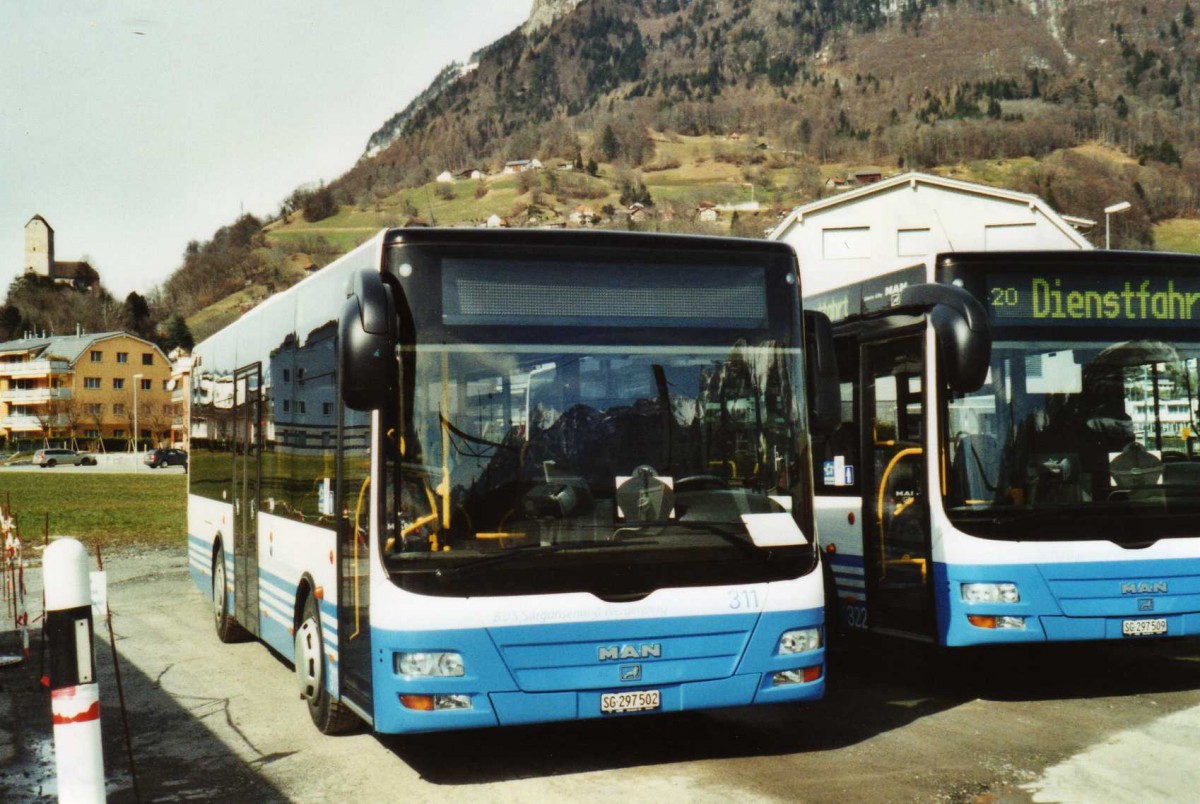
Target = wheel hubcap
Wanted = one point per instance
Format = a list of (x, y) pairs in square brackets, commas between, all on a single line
[(219, 592), (308, 659)]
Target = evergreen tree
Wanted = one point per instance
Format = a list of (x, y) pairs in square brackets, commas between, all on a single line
[(178, 334), (137, 314)]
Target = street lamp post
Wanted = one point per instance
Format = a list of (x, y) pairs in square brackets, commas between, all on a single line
[(1115, 209), (137, 380)]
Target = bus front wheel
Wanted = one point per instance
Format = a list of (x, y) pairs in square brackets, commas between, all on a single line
[(328, 715)]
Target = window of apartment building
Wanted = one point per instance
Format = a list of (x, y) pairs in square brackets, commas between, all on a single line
[(122, 357), (166, 385), (147, 358), (287, 406), (97, 356), (118, 433), (287, 375), (91, 433), (327, 408), (93, 409), (92, 383), (147, 385), (118, 383), (301, 407), (146, 434), (118, 408)]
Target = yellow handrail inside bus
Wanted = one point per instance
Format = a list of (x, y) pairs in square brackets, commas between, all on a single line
[(362, 491), (883, 479), (444, 488)]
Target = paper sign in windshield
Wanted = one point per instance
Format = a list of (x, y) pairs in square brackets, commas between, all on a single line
[(774, 530)]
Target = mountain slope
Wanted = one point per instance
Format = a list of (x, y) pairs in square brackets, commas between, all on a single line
[(681, 101)]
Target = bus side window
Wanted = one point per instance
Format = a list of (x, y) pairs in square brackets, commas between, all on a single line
[(836, 453)]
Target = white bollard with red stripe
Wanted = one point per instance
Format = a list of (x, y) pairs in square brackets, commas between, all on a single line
[(74, 693)]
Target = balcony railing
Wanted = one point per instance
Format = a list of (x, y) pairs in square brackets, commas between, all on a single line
[(34, 395), (35, 368), (23, 423)]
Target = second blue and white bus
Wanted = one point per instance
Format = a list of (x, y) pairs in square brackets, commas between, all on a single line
[(469, 478), (1033, 478)]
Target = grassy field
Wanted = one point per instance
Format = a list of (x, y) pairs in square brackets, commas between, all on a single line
[(110, 510), (1178, 234)]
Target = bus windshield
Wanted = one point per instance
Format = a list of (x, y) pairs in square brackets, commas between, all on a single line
[(1077, 439), (537, 468)]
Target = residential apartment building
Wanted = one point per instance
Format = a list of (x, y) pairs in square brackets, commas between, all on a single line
[(87, 387)]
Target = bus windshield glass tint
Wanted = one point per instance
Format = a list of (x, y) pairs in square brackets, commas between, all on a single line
[(1078, 439), (566, 453)]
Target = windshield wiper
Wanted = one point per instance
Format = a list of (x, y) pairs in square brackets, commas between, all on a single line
[(740, 539), (524, 551), (1009, 522)]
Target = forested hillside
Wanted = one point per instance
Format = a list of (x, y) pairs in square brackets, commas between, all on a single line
[(671, 103)]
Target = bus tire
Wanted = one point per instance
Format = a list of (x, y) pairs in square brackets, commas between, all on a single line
[(328, 715), (228, 629)]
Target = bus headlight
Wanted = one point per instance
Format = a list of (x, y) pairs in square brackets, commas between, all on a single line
[(799, 641), (429, 664), (991, 593)]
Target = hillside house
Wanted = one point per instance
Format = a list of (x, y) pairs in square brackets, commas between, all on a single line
[(521, 166), (909, 219), (495, 222), (867, 175), (836, 183), (582, 214), (707, 212), (470, 173), (445, 177), (637, 212)]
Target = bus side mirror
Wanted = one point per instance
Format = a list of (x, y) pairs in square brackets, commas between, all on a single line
[(367, 336), (960, 324), (824, 393)]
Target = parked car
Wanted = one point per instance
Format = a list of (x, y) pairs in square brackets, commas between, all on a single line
[(47, 458), (166, 457)]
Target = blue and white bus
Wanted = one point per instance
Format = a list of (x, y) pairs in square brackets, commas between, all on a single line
[(1054, 494), (471, 478)]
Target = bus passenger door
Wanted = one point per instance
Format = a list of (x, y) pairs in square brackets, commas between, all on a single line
[(896, 537), (355, 525), (247, 451)]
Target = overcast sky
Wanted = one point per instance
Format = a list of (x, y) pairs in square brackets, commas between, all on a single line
[(134, 126)]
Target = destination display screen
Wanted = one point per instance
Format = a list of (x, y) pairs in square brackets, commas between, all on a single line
[(487, 291), (864, 298), (1057, 298)]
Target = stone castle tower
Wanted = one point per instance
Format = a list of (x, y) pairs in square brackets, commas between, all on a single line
[(39, 258), (39, 246)]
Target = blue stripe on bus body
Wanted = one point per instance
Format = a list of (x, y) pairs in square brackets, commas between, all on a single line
[(849, 575), (498, 699), (276, 627), (200, 563), (1072, 601)]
